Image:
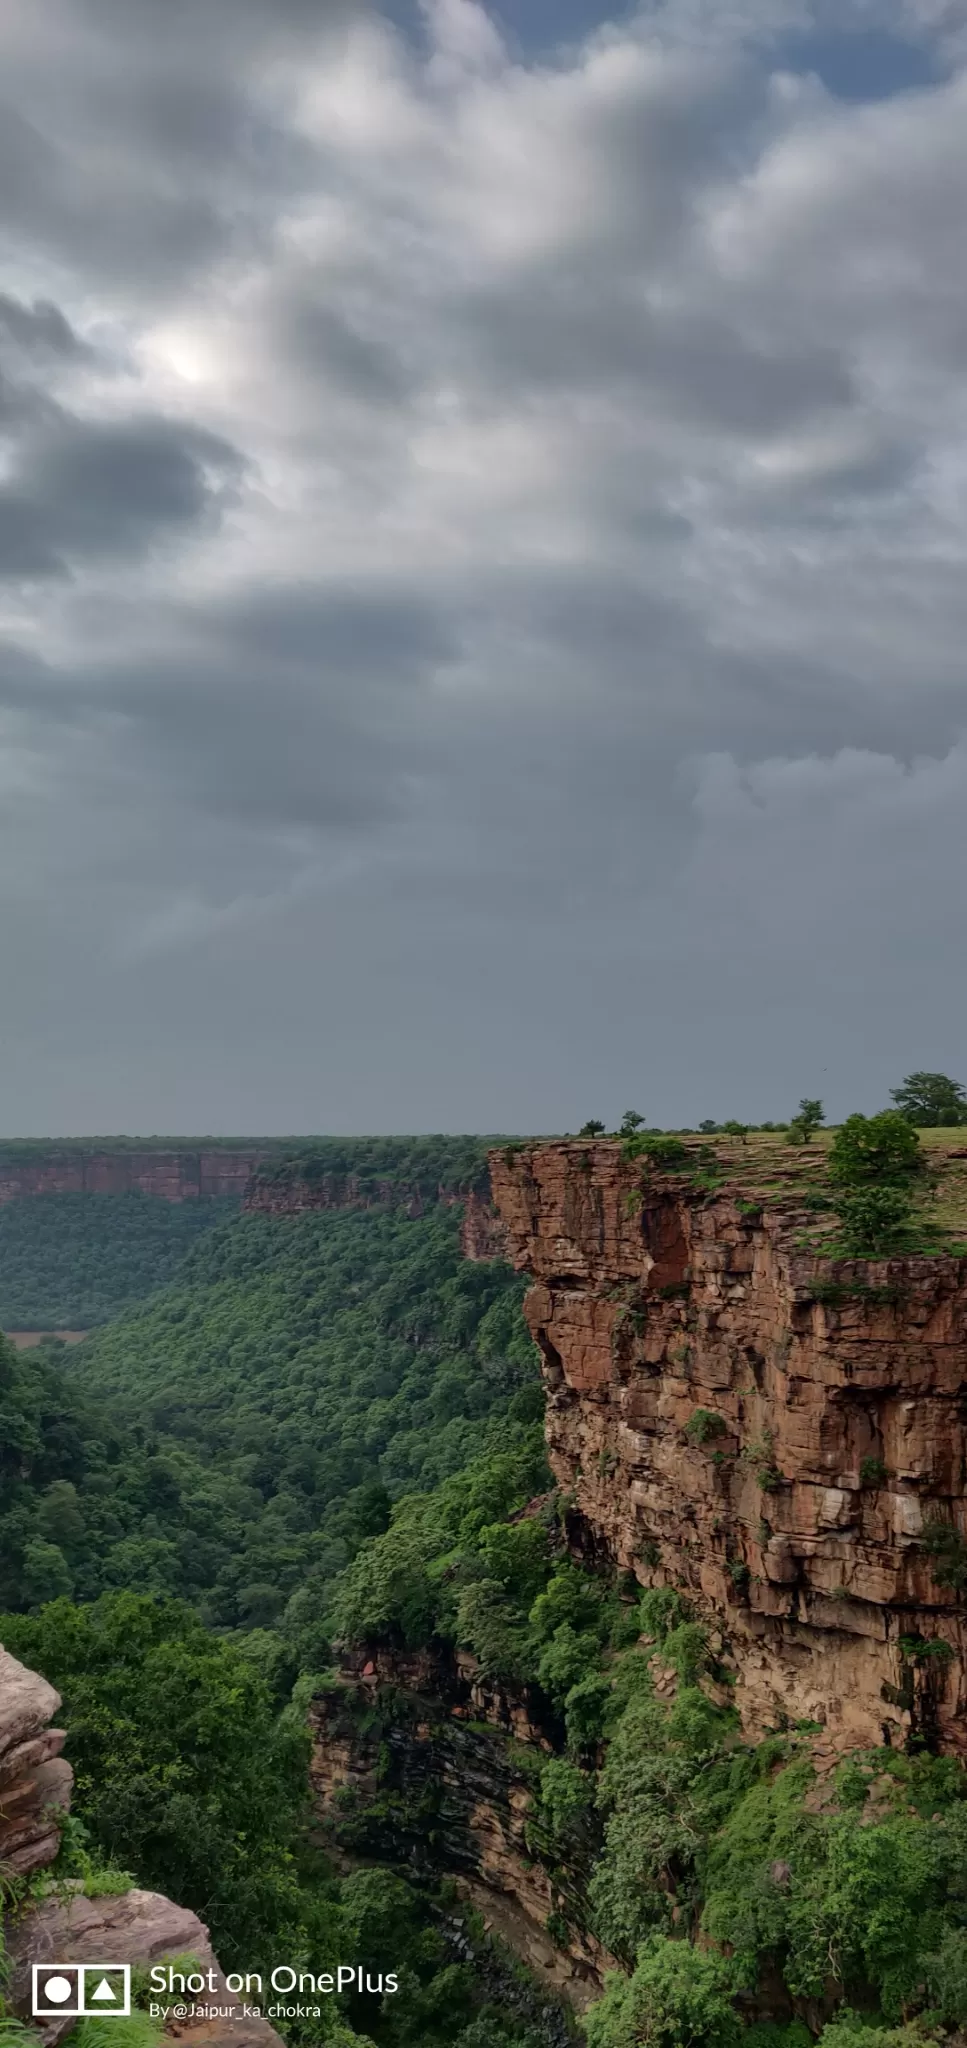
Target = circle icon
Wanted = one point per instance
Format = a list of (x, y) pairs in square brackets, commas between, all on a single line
[(58, 1990)]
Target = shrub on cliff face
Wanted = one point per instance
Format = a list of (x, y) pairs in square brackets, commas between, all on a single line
[(704, 1425), (873, 1220)]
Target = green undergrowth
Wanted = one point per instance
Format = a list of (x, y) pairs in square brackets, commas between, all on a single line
[(716, 1868), (187, 1773)]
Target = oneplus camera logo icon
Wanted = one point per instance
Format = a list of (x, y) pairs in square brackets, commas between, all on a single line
[(79, 1990)]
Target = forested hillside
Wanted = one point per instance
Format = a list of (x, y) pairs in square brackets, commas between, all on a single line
[(68, 1262), (232, 1441), (312, 1448), (263, 1411)]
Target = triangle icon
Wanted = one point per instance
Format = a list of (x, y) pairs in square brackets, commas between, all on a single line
[(104, 1993)]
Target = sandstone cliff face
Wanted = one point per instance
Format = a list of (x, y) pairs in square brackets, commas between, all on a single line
[(837, 1393), (132, 1927), (291, 1194), (433, 1766), (35, 1782), (175, 1176)]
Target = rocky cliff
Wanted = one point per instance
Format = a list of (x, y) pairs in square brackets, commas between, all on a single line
[(282, 1191), (66, 1926), (767, 1428), (275, 1192), (420, 1760), (174, 1175)]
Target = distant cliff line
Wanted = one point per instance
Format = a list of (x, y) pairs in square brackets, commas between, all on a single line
[(281, 1176), (176, 1174)]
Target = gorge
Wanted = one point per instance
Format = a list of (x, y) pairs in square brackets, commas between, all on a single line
[(625, 1638)]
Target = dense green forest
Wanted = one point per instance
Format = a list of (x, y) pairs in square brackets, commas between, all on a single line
[(321, 1433), (189, 1777), (427, 1165), (235, 1437), (72, 1261), (68, 1262), (232, 1441)]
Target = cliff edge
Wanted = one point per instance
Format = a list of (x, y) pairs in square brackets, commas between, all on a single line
[(770, 1429)]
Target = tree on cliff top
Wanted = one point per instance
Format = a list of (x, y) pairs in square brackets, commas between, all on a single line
[(874, 1151), (807, 1119), (931, 1100), (873, 1161)]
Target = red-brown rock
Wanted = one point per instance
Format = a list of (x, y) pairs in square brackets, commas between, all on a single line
[(649, 1306)]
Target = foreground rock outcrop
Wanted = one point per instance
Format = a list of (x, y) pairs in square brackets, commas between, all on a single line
[(67, 1927), (35, 1781), (769, 1430)]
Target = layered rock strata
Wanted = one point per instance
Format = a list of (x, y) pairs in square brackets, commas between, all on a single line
[(419, 1760), (35, 1781), (768, 1430), (175, 1176)]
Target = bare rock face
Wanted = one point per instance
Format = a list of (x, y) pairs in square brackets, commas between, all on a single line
[(766, 1429), (447, 1744), (137, 1927), (292, 1193), (35, 1782), (175, 1176), (483, 1236)]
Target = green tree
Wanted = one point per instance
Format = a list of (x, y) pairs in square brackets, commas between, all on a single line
[(630, 1123), (59, 1516), (678, 1997), (930, 1100), (806, 1121), (592, 1129), (182, 1772), (873, 1220), (875, 1151), (46, 1572), (810, 1115)]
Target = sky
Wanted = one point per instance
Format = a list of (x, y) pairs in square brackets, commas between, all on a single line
[(483, 612)]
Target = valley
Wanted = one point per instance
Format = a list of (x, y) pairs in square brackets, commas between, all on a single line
[(539, 1563)]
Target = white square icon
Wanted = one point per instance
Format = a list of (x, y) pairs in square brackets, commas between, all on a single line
[(79, 1990)]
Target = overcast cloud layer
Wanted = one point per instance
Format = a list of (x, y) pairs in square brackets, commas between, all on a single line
[(482, 587)]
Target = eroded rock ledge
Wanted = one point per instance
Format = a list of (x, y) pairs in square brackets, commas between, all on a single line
[(838, 1397)]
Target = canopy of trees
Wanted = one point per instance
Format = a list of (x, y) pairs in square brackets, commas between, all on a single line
[(68, 1262), (931, 1100), (234, 1439)]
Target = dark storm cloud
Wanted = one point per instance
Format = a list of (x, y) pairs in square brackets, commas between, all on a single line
[(39, 330), (483, 539), (87, 490)]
